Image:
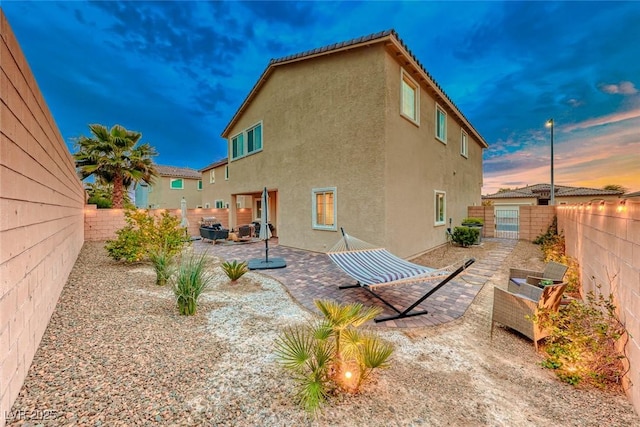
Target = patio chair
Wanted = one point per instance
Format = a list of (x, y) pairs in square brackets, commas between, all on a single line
[(521, 280), (516, 311)]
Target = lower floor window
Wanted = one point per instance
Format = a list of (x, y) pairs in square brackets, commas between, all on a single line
[(324, 208), (441, 207), (219, 204)]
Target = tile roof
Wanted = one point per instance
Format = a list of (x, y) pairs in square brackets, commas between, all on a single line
[(215, 164), (353, 43), (560, 191), (178, 172), (634, 194)]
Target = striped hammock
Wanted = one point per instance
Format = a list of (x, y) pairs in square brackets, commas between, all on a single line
[(372, 266)]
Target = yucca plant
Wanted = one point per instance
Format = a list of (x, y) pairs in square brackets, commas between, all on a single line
[(234, 269), (190, 281), (332, 353), (162, 261)]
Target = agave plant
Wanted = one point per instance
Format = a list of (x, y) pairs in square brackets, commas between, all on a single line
[(332, 353), (190, 281), (234, 269)]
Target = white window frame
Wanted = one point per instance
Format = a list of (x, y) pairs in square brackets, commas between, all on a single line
[(436, 206), (212, 176), (442, 138), (405, 78), (314, 208), (219, 204), (199, 185), (172, 180), (207, 205), (226, 172), (245, 142), (464, 144)]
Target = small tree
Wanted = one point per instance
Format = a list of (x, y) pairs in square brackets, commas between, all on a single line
[(332, 354)]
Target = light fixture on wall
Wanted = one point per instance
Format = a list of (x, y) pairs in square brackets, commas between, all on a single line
[(622, 205), (601, 206)]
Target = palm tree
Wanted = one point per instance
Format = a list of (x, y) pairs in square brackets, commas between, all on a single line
[(113, 157)]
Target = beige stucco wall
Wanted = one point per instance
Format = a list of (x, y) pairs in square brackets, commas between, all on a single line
[(41, 217), (334, 121), (606, 243), (218, 190), (323, 126), (418, 164), (162, 196)]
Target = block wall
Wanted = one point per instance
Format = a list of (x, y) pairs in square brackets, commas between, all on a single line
[(41, 217), (605, 239), (534, 220), (102, 224)]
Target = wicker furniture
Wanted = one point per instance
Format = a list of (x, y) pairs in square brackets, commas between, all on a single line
[(515, 310), (521, 280)]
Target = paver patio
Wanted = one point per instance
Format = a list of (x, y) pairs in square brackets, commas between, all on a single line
[(310, 276)]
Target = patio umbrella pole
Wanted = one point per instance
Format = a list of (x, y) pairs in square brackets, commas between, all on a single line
[(265, 234)]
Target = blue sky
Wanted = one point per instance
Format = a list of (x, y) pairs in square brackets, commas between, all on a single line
[(177, 72)]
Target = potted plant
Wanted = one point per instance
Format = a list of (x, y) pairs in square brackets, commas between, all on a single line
[(476, 223)]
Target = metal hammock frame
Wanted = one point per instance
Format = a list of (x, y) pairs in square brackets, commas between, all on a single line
[(374, 267)]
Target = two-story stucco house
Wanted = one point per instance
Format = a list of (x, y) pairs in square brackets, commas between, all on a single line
[(168, 189), (355, 135)]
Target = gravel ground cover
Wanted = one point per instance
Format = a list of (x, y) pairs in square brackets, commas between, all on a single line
[(116, 353)]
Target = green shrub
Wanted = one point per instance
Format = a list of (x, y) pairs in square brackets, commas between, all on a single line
[(234, 269), (332, 354), (191, 279), (583, 347), (146, 233), (473, 220), (553, 249), (465, 236)]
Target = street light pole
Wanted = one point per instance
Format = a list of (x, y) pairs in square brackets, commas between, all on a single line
[(552, 200)]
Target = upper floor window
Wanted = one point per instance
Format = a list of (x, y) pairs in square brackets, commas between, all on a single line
[(441, 124), (464, 144), (212, 176), (324, 208), (176, 183), (441, 207), (409, 98), (199, 184), (247, 142), (226, 172)]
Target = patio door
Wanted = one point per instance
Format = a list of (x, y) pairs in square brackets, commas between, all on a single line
[(507, 220)]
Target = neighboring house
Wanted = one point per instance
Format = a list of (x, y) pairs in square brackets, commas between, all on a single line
[(635, 195), (355, 135), (539, 194), (170, 186), (215, 178)]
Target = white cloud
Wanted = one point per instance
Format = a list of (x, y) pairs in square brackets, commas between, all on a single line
[(622, 88)]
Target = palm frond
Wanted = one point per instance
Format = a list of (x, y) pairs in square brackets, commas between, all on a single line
[(294, 347)]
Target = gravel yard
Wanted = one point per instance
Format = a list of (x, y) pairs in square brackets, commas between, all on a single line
[(116, 353)]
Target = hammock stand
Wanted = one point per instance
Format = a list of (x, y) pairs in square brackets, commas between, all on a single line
[(374, 267)]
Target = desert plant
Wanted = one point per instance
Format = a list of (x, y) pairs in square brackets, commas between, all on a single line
[(162, 259), (583, 347), (332, 354), (465, 236), (191, 279), (553, 249), (234, 269), (146, 233)]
